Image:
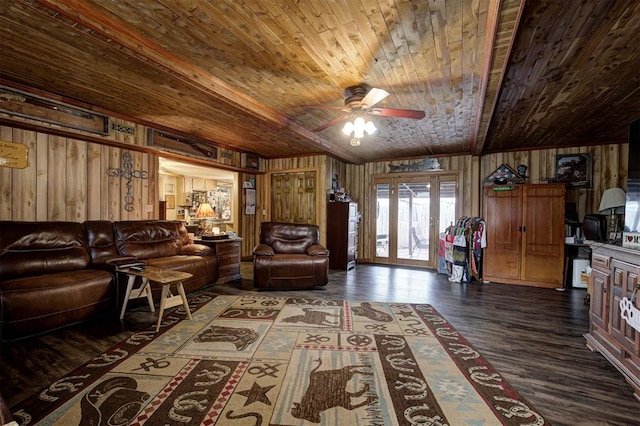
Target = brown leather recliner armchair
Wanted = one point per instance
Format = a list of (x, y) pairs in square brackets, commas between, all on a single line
[(290, 256)]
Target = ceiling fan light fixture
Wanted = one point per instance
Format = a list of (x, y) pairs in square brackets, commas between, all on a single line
[(358, 127)]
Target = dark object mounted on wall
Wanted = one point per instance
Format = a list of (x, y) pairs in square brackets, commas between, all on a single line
[(22, 104)]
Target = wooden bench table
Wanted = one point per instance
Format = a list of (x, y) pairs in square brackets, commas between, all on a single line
[(152, 275)]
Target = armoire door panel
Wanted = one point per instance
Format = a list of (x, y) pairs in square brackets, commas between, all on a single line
[(543, 238), (502, 212)]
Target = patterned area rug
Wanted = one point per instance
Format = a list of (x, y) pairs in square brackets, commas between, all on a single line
[(257, 360)]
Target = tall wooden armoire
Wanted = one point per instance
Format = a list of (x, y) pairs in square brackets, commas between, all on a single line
[(342, 235), (525, 234)]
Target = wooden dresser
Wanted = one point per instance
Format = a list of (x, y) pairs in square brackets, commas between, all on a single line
[(228, 251), (342, 235), (615, 274)]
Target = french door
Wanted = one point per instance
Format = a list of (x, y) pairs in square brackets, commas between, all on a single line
[(411, 211)]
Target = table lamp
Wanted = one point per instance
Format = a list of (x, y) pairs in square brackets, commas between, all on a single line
[(612, 199), (205, 212)]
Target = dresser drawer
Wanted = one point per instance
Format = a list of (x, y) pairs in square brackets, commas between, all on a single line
[(600, 261), (227, 249)]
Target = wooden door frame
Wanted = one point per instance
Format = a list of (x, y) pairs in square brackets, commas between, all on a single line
[(320, 206), (433, 177)]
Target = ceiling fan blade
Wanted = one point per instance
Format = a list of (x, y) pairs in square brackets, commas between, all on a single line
[(331, 123), (374, 96), (323, 107), (400, 113)]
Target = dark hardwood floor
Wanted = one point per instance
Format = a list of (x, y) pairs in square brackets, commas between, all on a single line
[(533, 336)]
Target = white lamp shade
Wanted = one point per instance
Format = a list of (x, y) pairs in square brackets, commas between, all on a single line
[(612, 198)]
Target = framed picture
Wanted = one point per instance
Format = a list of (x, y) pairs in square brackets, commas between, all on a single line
[(168, 188), (574, 169), (171, 201)]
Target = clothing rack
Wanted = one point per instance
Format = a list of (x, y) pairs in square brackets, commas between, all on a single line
[(460, 250)]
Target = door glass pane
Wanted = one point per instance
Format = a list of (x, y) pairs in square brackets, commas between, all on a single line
[(382, 220), (447, 205), (413, 220)]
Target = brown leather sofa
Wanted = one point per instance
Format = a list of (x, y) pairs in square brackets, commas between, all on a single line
[(54, 274), (290, 256)]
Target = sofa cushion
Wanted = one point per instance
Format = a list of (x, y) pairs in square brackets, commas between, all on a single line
[(147, 239), (36, 304), (100, 240), (36, 248)]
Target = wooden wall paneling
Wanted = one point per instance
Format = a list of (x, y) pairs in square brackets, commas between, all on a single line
[(105, 212), (6, 178), (41, 165), (76, 178), (56, 177), (94, 184), (24, 180), (115, 184)]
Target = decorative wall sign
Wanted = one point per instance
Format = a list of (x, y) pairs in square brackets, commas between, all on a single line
[(574, 170), (426, 164), (503, 175), (13, 155), (171, 201), (127, 172), (250, 161), (22, 104), (181, 145), (123, 128)]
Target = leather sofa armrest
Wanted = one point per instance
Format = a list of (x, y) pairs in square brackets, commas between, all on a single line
[(196, 250), (317, 250), (263, 250)]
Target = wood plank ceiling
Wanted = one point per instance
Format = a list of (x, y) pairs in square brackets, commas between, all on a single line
[(491, 75)]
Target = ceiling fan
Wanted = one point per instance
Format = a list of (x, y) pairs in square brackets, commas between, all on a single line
[(360, 100)]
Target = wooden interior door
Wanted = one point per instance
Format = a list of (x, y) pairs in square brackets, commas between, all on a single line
[(503, 216), (543, 234), (293, 197)]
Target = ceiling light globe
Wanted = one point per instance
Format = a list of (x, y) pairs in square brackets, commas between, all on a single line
[(348, 128), (370, 128)]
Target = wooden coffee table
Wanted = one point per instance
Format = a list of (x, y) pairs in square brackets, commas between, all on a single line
[(152, 275)]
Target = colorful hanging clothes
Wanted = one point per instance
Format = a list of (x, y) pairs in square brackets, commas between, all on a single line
[(462, 246)]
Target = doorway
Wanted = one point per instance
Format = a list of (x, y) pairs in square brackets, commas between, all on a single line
[(411, 212)]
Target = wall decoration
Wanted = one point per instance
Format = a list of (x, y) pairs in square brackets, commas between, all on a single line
[(171, 201), (181, 145), (169, 188), (127, 172), (574, 169), (250, 196), (250, 161), (424, 165), (503, 175), (123, 128), (22, 104), (13, 155)]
